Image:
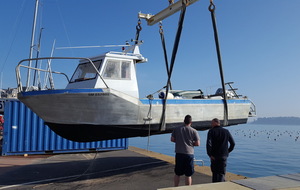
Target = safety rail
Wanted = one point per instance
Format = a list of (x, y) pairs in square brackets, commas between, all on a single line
[(232, 89), (195, 161), (18, 73), (252, 112)]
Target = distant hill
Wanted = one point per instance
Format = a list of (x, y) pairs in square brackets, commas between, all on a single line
[(278, 120)]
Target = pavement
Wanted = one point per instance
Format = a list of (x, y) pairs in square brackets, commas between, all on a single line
[(124, 169)]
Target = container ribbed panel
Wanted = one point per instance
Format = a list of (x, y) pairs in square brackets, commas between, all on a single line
[(26, 133)]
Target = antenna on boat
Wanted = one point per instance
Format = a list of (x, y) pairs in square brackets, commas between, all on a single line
[(77, 47), (37, 56), (49, 73)]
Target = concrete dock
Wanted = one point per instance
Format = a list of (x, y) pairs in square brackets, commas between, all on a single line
[(125, 169)]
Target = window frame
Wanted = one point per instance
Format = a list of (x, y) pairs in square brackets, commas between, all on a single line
[(95, 62), (120, 69)]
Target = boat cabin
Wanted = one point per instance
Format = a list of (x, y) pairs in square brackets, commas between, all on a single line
[(116, 70)]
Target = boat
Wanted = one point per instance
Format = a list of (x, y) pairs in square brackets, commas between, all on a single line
[(101, 100)]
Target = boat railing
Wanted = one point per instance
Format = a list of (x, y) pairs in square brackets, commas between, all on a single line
[(48, 70), (233, 90), (252, 112)]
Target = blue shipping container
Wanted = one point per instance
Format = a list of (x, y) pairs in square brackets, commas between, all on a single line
[(26, 133)]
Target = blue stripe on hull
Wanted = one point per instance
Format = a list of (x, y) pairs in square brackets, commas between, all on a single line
[(62, 91), (194, 101), (143, 101)]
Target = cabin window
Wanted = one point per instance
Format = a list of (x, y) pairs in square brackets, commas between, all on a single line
[(116, 69), (126, 70), (86, 71)]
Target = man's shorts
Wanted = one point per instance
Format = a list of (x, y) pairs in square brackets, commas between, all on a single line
[(184, 164)]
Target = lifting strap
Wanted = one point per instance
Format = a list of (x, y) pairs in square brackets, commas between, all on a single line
[(162, 37), (175, 48), (212, 8)]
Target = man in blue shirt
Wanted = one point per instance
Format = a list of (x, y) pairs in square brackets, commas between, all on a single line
[(217, 149), (185, 138)]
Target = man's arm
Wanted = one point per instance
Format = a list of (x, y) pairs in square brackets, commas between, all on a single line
[(197, 143), (208, 144), (173, 139), (232, 143)]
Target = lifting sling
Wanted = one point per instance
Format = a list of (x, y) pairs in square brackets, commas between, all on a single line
[(174, 52), (162, 37), (212, 8)]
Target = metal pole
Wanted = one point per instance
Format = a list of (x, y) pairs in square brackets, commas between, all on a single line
[(37, 55), (32, 41)]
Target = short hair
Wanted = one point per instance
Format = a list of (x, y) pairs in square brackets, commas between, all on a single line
[(188, 119), (216, 120)]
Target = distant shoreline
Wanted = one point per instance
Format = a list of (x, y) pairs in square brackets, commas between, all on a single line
[(277, 121)]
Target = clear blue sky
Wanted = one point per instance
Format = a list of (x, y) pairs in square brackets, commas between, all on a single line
[(260, 43)]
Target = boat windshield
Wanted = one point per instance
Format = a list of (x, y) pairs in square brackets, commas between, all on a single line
[(117, 69), (86, 71)]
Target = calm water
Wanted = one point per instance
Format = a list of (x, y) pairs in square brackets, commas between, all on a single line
[(261, 150)]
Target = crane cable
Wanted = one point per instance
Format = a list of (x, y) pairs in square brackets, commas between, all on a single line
[(162, 126), (212, 8)]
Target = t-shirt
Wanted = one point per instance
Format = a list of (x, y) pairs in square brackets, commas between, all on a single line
[(185, 136)]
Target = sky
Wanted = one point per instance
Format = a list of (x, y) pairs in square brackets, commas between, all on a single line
[(259, 43)]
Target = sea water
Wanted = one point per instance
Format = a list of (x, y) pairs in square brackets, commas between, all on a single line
[(261, 150)]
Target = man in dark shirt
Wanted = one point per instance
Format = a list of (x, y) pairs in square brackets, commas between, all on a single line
[(217, 149)]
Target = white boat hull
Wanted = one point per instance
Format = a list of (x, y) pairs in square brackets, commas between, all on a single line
[(101, 114)]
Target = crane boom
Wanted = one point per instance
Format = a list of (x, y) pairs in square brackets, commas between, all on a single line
[(170, 10)]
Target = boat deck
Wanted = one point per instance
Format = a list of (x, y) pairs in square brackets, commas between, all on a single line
[(125, 169)]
